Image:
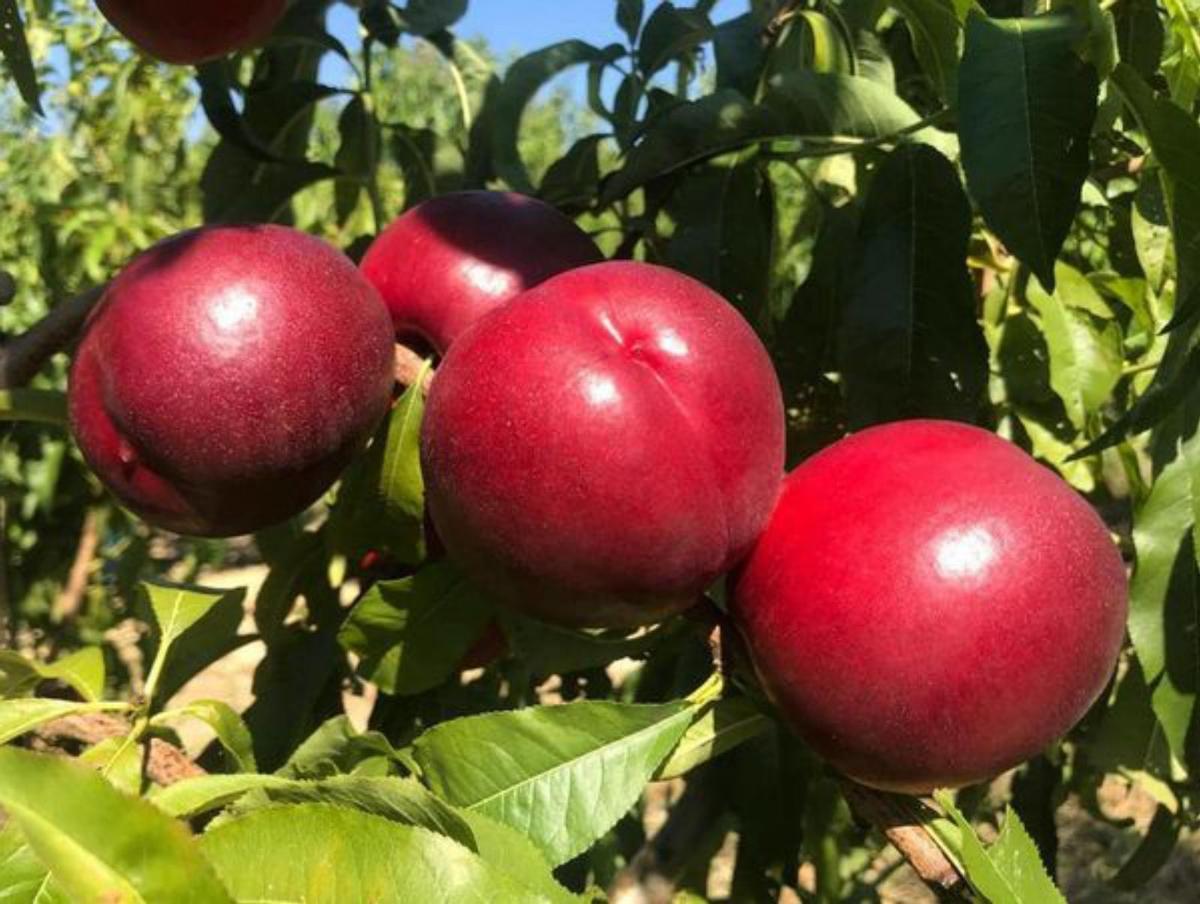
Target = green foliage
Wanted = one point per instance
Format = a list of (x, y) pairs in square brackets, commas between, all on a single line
[(926, 209)]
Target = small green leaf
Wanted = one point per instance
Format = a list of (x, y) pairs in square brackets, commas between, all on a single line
[(23, 878), (629, 17), (410, 634), (39, 406), (325, 854), (83, 670), (1010, 871), (22, 715), (232, 733), (15, 50), (178, 608), (562, 775), (400, 483), (100, 844), (718, 727), (1026, 105), (670, 33), (1085, 351), (336, 748)]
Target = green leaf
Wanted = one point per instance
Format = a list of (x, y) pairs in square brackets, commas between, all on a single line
[(1085, 351), (1026, 104), (325, 854), (498, 843), (1151, 854), (910, 344), (357, 155), (670, 33), (798, 105), (25, 714), (718, 727), (936, 27), (400, 483), (177, 608), (1163, 599), (100, 844), (1010, 871), (23, 878), (723, 213), (336, 748), (83, 670), (232, 733), (573, 181), (562, 775), (424, 17), (629, 17), (411, 634), (1140, 36), (521, 82), (739, 53), (1174, 138), (546, 649), (40, 406), (15, 51)]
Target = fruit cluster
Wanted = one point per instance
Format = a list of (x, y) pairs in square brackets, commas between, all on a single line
[(603, 440)]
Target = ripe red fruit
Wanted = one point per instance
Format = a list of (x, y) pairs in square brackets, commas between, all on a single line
[(454, 258), (599, 450), (227, 377), (188, 31), (928, 606)]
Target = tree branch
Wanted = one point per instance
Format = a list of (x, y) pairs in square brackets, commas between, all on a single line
[(22, 356), (898, 817), (165, 765)]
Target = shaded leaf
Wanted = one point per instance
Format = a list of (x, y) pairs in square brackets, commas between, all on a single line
[(521, 82), (739, 53), (424, 17), (100, 844), (1163, 600), (802, 104), (910, 344), (15, 51), (1026, 105), (1151, 854), (718, 727), (935, 27), (1174, 138), (336, 748), (39, 406), (357, 155), (629, 17), (1140, 35), (83, 670), (669, 33), (573, 181), (410, 634), (561, 775)]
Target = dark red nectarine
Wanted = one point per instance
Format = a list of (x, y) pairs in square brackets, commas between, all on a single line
[(185, 32), (929, 607), (228, 375), (598, 450), (454, 258)]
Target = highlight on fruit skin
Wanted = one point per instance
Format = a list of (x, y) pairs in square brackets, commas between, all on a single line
[(600, 449), (448, 261), (186, 32), (928, 606), (227, 377)]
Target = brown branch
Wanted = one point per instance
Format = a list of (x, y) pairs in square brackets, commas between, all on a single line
[(898, 817), (22, 356), (408, 367), (67, 604), (166, 763)]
